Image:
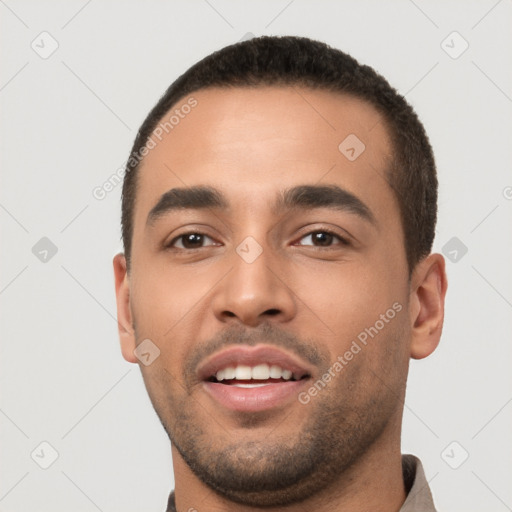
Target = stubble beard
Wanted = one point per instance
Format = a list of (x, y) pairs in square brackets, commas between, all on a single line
[(285, 467)]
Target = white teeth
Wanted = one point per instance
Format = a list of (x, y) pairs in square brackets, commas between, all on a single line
[(229, 372), (261, 372), (275, 372), (258, 372), (287, 374), (250, 385), (243, 372)]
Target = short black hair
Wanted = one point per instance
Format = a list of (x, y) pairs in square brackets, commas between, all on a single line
[(299, 61)]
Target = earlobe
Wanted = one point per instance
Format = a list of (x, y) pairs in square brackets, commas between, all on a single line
[(124, 315), (427, 305)]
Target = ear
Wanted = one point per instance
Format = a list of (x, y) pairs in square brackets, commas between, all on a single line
[(124, 314), (428, 290)]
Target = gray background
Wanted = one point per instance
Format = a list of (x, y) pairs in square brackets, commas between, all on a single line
[(68, 122)]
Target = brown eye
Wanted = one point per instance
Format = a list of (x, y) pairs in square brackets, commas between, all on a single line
[(323, 239), (190, 241)]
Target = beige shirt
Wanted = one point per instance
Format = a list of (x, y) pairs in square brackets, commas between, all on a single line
[(419, 497)]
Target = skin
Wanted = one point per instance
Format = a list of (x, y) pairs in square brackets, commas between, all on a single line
[(250, 144)]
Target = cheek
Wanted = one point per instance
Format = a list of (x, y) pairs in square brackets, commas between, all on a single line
[(375, 365), (348, 297), (163, 297)]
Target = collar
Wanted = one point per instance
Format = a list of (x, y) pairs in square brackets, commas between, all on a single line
[(419, 497)]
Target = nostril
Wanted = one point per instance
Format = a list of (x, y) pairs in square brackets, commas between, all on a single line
[(272, 312)]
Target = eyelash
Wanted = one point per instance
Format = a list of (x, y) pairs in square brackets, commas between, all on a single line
[(343, 241)]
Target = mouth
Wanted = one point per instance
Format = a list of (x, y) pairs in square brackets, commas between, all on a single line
[(253, 379), (264, 374)]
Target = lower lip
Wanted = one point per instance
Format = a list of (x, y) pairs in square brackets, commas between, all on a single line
[(254, 399)]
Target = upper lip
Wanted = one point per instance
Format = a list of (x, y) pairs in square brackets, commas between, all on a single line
[(251, 356)]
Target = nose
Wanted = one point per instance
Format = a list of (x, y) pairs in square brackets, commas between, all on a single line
[(255, 291)]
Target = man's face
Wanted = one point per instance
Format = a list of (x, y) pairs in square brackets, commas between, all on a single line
[(276, 283)]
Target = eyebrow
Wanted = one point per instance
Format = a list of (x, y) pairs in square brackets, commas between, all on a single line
[(306, 197)]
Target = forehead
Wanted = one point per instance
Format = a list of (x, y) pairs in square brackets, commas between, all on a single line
[(250, 142)]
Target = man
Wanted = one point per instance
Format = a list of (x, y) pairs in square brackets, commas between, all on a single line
[(278, 214)]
